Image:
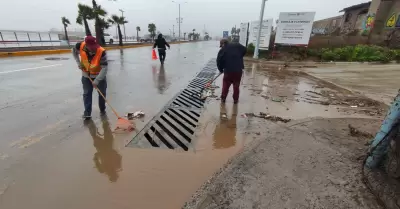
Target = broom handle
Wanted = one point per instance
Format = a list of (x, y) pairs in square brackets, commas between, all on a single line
[(102, 95)]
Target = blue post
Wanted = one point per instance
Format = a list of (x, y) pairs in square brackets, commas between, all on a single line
[(379, 152)]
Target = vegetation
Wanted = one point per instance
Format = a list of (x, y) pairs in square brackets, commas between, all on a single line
[(206, 36), (359, 53), (152, 30), (184, 36), (116, 20), (65, 23), (98, 13), (137, 33), (85, 13)]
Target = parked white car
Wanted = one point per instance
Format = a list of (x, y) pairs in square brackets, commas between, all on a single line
[(108, 38)]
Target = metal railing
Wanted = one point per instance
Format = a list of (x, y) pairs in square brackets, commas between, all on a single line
[(10, 39)]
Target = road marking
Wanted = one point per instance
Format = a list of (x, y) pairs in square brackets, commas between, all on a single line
[(32, 68)]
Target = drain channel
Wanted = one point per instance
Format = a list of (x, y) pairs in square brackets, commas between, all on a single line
[(174, 126)]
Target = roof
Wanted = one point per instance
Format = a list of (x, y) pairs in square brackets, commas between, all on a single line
[(357, 6)]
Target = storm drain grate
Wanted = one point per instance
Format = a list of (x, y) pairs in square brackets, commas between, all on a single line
[(174, 126), (173, 129)]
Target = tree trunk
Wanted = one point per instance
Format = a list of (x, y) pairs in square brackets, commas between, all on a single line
[(99, 34), (120, 36), (66, 34), (87, 29)]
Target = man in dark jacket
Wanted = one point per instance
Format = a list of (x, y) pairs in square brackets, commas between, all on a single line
[(162, 45), (230, 62)]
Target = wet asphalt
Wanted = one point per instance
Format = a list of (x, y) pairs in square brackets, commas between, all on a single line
[(50, 158)]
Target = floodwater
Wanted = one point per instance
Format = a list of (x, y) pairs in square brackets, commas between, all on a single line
[(50, 158), (378, 81)]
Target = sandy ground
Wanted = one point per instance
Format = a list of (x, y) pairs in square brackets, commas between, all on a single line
[(312, 161)]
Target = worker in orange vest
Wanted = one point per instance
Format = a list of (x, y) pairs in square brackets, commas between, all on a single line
[(93, 63)]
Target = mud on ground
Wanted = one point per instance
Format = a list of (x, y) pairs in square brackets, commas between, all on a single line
[(312, 161)]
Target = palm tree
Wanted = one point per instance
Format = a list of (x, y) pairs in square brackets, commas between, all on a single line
[(184, 36), (65, 23), (103, 25), (233, 31), (137, 33), (85, 13), (152, 29), (98, 12), (193, 34), (116, 20), (206, 36)]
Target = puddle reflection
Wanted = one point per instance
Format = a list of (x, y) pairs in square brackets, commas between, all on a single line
[(106, 159), (225, 131), (160, 78)]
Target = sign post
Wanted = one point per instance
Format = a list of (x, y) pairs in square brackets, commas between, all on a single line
[(294, 28), (265, 36), (225, 34), (243, 35), (256, 49)]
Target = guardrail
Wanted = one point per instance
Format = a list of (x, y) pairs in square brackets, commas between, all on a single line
[(26, 39)]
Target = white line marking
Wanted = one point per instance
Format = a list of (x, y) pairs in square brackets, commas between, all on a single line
[(32, 68)]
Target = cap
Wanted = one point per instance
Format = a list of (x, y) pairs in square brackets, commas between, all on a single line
[(91, 42)]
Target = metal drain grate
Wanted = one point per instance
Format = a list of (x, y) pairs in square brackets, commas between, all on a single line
[(173, 129), (174, 126)]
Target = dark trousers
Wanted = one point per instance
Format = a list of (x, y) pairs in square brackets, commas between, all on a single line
[(229, 79), (87, 95), (162, 54)]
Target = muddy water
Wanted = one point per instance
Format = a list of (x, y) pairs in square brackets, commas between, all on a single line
[(293, 95), (374, 80), (95, 169)]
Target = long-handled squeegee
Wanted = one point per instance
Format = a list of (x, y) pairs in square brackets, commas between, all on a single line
[(208, 84)]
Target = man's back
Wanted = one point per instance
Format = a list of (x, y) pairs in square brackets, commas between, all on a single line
[(230, 57)]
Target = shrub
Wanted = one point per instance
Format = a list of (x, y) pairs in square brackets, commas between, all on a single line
[(360, 53), (250, 49)]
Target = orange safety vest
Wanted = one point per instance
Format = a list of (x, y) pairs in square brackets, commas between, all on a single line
[(93, 68)]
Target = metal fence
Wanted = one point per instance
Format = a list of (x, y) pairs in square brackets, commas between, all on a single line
[(12, 39), (27, 39)]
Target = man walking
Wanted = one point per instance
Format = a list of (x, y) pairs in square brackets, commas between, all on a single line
[(230, 62), (162, 45), (93, 63)]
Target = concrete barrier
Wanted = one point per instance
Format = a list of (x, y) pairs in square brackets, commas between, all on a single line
[(61, 51)]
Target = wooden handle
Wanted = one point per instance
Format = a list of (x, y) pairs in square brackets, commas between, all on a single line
[(102, 95)]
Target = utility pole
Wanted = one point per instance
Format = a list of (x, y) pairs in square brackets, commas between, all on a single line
[(173, 31), (179, 30), (257, 48), (179, 19), (122, 11)]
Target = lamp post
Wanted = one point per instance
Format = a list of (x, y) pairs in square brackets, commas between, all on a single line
[(122, 11), (257, 48), (179, 20)]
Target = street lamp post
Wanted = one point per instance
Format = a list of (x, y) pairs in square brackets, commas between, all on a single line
[(122, 11), (179, 20), (257, 48)]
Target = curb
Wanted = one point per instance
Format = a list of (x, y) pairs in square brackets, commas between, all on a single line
[(62, 51)]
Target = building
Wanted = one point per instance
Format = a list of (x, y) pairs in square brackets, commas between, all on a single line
[(354, 18), (327, 26)]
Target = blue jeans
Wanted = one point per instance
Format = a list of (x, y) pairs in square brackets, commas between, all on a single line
[(87, 95)]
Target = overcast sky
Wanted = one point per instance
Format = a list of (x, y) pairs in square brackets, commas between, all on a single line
[(216, 15)]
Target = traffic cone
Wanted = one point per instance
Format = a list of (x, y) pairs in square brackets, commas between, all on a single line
[(154, 55)]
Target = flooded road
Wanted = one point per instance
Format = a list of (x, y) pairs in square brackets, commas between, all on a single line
[(50, 158), (378, 81)]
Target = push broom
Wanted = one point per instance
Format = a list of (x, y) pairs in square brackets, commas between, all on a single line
[(122, 123)]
